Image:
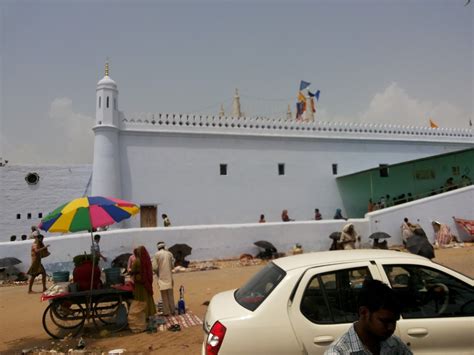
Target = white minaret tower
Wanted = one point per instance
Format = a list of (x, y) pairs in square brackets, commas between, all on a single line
[(288, 113), (236, 105), (222, 112), (106, 167)]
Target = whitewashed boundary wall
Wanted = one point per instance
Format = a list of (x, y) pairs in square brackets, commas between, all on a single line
[(458, 203), (208, 241), (226, 241)]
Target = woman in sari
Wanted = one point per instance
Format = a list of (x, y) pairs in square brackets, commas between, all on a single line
[(36, 268), (143, 280)]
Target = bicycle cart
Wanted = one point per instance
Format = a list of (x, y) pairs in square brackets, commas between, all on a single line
[(67, 313)]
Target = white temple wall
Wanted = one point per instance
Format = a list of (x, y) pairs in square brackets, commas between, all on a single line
[(179, 171)]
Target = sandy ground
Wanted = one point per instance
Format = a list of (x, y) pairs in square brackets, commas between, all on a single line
[(21, 313)]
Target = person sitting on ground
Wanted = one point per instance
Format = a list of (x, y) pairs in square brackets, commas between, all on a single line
[(339, 215), (262, 219), (317, 215), (166, 220), (36, 268), (285, 217), (443, 235), (349, 237), (379, 310)]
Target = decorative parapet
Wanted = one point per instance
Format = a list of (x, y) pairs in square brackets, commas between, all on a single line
[(173, 122)]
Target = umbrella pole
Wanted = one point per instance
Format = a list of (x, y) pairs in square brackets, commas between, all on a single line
[(89, 306)]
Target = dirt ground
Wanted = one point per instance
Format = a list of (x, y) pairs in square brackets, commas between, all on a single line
[(21, 313)]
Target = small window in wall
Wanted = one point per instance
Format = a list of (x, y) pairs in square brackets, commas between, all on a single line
[(334, 169), (28, 216), (100, 101), (12, 238), (281, 169), (383, 169), (223, 169), (107, 105), (18, 216), (23, 237), (455, 170), (40, 215)]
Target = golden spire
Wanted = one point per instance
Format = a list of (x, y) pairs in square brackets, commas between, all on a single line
[(107, 68)]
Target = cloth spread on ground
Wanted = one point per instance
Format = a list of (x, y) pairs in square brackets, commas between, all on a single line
[(467, 224), (184, 320)]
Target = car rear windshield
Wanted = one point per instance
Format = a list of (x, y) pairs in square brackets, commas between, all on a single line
[(254, 292)]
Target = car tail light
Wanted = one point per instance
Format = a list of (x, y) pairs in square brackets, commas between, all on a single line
[(215, 338)]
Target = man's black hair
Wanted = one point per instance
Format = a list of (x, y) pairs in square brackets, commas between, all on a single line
[(376, 295), (97, 236)]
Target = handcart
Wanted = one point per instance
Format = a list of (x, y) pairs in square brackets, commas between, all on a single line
[(67, 313)]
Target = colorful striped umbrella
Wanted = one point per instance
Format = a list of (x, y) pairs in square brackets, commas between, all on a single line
[(88, 214)]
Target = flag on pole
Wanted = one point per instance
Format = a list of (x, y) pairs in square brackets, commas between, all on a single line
[(316, 95), (304, 85), (433, 124)]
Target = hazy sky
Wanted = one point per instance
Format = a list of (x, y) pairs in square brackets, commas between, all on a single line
[(373, 60)]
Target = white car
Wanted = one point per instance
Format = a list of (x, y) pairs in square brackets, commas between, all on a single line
[(301, 304)]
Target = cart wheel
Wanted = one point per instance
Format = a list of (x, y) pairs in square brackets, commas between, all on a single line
[(110, 312), (65, 318)]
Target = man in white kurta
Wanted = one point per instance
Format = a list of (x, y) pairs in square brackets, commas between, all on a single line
[(163, 263)]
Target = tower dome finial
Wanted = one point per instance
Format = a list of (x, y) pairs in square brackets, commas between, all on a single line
[(107, 67)]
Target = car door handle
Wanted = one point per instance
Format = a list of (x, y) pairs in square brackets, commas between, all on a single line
[(417, 332), (323, 340)]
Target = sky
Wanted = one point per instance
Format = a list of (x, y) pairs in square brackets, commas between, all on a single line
[(379, 61)]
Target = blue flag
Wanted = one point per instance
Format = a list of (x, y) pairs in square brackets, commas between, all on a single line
[(316, 95), (304, 85)]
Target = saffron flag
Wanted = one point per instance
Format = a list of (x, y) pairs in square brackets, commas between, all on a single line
[(301, 97), (432, 124), (304, 85)]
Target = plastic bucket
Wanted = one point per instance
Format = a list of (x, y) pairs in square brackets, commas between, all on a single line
[(113, 276), (61, 276)]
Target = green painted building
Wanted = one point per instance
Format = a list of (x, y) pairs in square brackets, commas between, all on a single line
[(405, 181)]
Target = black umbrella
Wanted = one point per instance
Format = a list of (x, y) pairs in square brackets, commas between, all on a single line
[(266, 245), (335, 235), (7, 262), (379, 235), (180, 250), (121, 260), (420, 245)]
